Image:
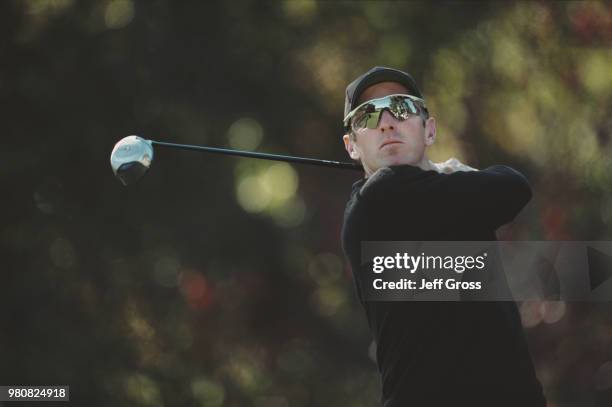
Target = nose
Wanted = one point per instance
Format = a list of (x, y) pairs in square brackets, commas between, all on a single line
[(387, 122)]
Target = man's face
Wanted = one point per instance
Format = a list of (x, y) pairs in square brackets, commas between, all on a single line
[(393, 142)]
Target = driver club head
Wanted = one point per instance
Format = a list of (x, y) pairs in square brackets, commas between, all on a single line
[(131, 158)]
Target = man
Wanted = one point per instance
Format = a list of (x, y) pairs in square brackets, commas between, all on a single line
[(431, 353)]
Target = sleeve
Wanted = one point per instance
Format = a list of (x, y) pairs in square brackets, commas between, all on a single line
[(494, 195), (490, 197)]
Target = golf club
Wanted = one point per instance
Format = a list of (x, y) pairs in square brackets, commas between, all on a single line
[(132, 156)]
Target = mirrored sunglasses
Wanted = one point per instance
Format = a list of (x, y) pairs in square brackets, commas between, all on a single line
[(368, 114)]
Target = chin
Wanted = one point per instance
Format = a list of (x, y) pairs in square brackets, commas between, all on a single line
[(399, 160)]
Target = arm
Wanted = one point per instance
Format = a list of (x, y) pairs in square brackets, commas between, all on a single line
[(490, 197), (496, 194), (504, 191)]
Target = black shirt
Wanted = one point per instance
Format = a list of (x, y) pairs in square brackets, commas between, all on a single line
[(443, 353)]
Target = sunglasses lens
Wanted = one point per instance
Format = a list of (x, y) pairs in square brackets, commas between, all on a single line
[(359, 120), (373, 119), (368, 116), (403, 109)]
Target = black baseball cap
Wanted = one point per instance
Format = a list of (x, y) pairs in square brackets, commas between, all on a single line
[(376, 75)]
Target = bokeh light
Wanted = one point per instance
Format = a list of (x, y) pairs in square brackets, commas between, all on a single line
[(143, 390), (245, 134), (245, 369), (196, 289), (209, 393), (299, 11), (271, 189), (252, 195), (118, 13)]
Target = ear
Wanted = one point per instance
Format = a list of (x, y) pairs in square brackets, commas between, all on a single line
[(350, 147), (430, 131)]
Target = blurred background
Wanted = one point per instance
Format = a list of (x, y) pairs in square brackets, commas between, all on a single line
[(219, 281)]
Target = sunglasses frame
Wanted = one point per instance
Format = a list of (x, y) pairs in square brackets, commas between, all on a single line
[(420, 102)]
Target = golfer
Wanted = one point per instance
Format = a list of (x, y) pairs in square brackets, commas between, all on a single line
[(431, 353)]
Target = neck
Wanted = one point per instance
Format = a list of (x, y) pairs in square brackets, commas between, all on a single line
[(425, 164)]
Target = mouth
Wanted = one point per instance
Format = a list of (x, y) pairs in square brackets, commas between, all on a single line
[(390, 142)]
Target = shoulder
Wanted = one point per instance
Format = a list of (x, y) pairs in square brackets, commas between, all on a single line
[(504, 170), (380, 176), (387, 179)]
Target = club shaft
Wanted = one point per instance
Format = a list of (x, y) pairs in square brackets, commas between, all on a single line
[(264, 156)]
